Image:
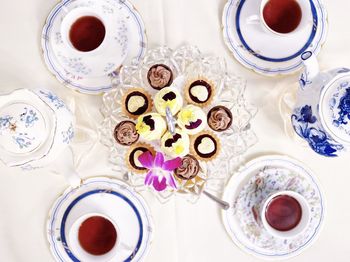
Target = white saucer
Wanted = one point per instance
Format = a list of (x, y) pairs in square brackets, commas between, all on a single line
[(100, 62), (246, 191), (136, 46), (264, 52), (111, 197)]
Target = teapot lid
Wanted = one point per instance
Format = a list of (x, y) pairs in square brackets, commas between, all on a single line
[(335, 108), (23, 128)]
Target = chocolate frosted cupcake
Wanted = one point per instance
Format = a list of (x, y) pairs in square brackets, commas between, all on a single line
[(189, 168), (136, 102), (159, 76), (205, 146), (219, 118), (132, 157), (199, 91), (125, 133)]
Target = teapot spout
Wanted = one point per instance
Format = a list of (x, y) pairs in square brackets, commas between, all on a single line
[(311, 65)]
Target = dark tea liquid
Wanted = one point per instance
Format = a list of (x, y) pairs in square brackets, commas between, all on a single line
[(283, 213), (282, 16), (87, 33), (97, 235)]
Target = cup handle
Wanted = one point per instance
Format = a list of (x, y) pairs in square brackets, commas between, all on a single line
[(64, 165), (253, 20)]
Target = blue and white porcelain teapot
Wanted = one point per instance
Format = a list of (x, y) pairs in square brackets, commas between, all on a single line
[(36, 129), (321, 115)]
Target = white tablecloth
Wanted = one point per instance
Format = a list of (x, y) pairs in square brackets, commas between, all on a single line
[(184, 232)]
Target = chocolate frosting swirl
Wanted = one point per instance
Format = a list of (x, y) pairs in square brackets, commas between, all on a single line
[(219, 118), (125, 133), (188, 169), (159, 76)]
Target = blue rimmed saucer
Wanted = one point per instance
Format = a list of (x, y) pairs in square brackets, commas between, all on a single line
[(112, 198), (264, 52), (93, 85), (246, 191)]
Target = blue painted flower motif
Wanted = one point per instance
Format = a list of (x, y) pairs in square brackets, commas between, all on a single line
[(23, 140), (317, 138), (304, 80), (76, 64), (306, 115), (29, 117), (55, 100), (68, 135), (344, 107), (5, 122)]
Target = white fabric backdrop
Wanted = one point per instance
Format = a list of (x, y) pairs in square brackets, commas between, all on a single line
[(184, 232)]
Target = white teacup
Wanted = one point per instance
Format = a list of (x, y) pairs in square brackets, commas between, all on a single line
[(78, 250), (300, 227), (105, 58), (306, 18)]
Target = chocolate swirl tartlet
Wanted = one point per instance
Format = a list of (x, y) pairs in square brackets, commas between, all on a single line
[(125, 133), (200, 91), (159, 76), (219, 118), (205, 146), (189, 168), (136, 102)]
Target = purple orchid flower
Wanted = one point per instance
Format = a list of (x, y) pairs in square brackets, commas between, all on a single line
[(159, 171)]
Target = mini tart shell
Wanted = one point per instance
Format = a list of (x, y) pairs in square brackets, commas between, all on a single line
[(187, 96), (131, 149), (193, 151), (145, 93)]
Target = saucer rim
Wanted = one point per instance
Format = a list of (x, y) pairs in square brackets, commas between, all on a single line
[(237, 181), (149, 227), (266, 71)]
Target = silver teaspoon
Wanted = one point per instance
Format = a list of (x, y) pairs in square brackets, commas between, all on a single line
[(223, 204)]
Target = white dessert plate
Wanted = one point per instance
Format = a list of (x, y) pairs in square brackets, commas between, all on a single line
[(110, 197), (91, 85), (264, 52), (250, 186)]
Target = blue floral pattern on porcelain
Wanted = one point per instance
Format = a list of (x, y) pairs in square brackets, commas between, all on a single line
[(29, 117), (344, 109), (68, 135), (306, 126), (310, 118), (55, 100)]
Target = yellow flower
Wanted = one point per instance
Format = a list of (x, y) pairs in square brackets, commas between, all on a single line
[(141, 127), (178, 149), (186, 116)]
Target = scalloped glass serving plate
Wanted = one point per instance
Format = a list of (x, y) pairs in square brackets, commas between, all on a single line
[(230, 93)]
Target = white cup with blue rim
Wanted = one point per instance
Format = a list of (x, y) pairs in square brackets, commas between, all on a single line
[(258, 18)]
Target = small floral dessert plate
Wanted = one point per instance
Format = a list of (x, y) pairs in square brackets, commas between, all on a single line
[(106, 196), (264, 52), (173, 122), (247, 190), (130, 22)]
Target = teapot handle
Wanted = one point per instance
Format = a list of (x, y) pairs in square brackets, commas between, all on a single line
[(64, 165)]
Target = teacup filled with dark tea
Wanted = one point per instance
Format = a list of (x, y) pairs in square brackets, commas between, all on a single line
[(83, 30), (285, 214), (283, 17), (94, 237)]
